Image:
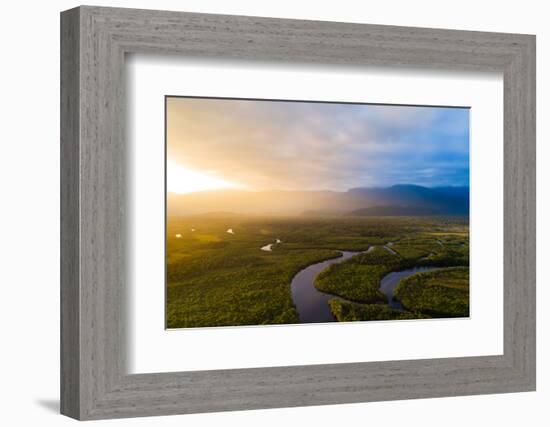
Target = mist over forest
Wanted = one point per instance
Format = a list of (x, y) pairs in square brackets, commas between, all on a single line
[(394, 200)]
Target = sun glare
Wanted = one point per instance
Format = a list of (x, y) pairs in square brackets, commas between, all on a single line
[(183, 180)]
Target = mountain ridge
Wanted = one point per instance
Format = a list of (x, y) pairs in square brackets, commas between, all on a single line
[(450, 200)]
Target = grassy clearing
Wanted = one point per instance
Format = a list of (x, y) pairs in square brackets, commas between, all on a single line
[(410, 251), (439, 293)]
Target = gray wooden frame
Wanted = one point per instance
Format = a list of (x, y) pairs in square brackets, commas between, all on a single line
[(94, 41)]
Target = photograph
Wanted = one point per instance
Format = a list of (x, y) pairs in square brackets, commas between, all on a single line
[(296, 212)]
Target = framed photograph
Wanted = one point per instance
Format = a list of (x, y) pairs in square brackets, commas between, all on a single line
[(261, 213), (333, 198)]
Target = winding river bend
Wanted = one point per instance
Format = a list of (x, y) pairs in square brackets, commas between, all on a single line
[(390, 281), (312, 304)]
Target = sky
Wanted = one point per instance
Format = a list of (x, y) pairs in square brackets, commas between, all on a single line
[(215, 144)]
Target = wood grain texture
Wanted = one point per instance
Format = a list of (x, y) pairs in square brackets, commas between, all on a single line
[(94, 271), (70, 221)]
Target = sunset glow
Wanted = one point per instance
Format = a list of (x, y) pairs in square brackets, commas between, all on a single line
[(183, 180)]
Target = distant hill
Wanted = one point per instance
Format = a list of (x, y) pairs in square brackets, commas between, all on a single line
[(395, 200), (440, 200)]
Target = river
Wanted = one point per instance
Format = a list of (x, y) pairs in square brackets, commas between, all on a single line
[(390, 281), (312, 304)]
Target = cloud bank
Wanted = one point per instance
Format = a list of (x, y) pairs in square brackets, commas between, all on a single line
[(266, 145)]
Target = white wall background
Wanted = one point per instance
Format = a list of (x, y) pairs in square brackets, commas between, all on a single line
[(29, 224)]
